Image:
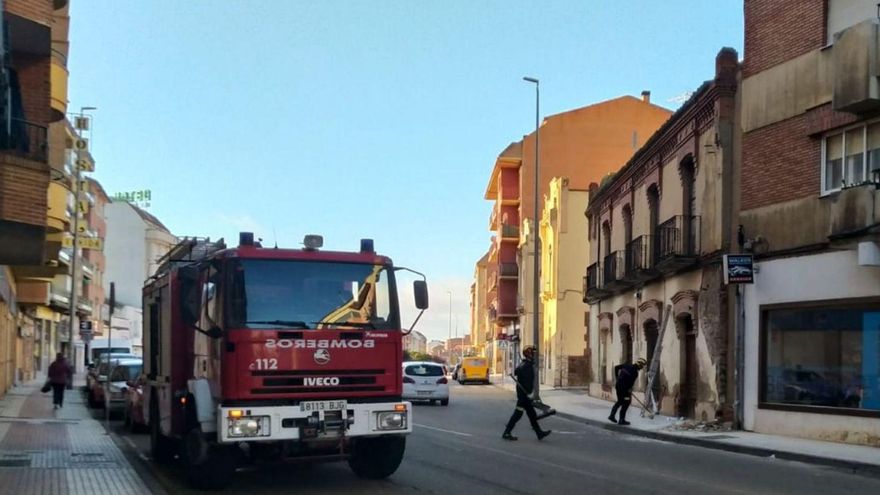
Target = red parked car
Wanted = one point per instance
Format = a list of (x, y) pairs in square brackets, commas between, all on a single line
[(135, 419)]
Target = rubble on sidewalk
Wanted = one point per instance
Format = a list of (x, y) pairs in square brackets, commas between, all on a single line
[(684, 424)]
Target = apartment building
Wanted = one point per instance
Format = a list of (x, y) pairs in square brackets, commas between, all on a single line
[(563, 261), (811, 217), (581, 145), (33, 51)]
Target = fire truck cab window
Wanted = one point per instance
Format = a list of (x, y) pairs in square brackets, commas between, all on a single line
[(309, 294)]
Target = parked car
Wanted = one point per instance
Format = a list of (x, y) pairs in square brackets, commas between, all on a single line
[(98, 374), (135, 418), (425, 381), (116, 386), (474, 369), (93, 367)]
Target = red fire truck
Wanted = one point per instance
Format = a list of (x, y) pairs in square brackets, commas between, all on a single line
[(254, 352)]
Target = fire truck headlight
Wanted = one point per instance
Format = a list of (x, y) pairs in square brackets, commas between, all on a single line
[(390, 420), (249, 426)]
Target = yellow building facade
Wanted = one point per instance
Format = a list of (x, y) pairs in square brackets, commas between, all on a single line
[(563, 234)]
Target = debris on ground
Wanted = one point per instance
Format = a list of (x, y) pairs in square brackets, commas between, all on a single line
[(684, 424)]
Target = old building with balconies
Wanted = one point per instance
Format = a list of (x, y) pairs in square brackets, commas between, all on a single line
[(811, 217), (657, 232)]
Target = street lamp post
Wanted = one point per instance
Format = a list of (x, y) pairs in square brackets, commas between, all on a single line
[(536, 272), (73, 296), (449, 339)]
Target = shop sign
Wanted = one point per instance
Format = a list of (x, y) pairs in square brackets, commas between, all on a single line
[(739, 269)]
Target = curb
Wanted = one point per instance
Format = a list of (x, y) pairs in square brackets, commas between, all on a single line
[(852, 466)]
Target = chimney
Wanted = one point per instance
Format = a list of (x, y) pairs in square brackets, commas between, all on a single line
[(646, 96), (726, 65)]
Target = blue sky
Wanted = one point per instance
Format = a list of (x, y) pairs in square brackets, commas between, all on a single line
[(360, 119)]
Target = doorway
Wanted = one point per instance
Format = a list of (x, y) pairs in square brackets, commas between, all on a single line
[(689, 368), (626, 344), (652, 333)]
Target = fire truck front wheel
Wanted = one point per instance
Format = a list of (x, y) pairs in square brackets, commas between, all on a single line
[(378, 457)]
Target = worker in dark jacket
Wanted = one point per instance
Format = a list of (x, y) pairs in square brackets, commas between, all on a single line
[(60, 374), (525, 377), (626, 375)]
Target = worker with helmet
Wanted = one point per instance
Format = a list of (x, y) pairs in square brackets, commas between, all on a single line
[(626, 375), (525, 378)]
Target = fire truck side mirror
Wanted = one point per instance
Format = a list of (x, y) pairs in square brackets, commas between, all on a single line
[(420, 289), (189, 294)]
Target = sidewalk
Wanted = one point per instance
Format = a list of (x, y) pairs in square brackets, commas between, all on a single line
[(576, 405), (45, 451)]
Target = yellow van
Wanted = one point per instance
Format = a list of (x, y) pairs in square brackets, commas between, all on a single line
[(474, 369)]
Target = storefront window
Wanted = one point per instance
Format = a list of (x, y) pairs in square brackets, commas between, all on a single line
[(825, 357)]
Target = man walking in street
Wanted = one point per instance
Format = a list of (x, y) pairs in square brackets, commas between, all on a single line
[(626, 377), (525, 378), (60, 374)]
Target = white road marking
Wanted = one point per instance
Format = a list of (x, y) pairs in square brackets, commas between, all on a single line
[(444, 431)]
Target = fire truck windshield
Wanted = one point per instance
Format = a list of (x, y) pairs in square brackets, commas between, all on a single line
[(268, 294)]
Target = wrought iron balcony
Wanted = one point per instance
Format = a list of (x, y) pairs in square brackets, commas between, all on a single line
[(509, 232), (614, 270), (25, 139), (678, 243), (594, 291), (508, 270), (640, 256)]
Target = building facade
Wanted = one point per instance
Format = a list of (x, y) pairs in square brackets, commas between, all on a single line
[(811, 216), (415, 342), (657, 233), (563, 262), (136, 240), (581, 145), (33, 55)]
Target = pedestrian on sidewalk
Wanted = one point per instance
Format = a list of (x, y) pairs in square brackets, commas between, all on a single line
[(525, 377), (626, 377), (60, 374)]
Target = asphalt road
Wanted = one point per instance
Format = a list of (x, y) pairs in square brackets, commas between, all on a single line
[(458, 449)]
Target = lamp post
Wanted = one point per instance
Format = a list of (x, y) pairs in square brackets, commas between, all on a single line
[(536, 271), (76, 196), (449, 339)]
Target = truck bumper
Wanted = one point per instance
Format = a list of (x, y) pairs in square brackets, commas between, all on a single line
[(277, 423)]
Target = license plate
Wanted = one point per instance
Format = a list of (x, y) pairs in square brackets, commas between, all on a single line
[(424, 392), (323, 405)]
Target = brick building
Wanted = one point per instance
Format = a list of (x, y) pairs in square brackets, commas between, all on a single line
[(33, 60), (810, 211), (580, 145), (657, 233)]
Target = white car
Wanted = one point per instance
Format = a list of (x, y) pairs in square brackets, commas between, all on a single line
[(425, 381), (123, 372)]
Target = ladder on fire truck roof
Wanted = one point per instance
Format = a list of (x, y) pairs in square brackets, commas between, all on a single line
[(650, 406), (189, 250)]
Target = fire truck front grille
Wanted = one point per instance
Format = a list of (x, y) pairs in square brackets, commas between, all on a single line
[(317, 381)]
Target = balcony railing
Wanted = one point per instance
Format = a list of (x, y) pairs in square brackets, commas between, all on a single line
[(613, 270), (678, 242), (508, 270), (593, 290), (25, 139), (509, 231), (640, 256)]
